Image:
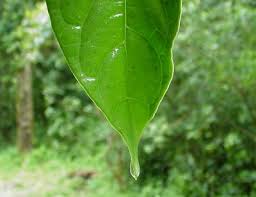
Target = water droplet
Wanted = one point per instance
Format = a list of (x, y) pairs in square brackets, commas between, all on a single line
[(76, 27), (115, 52), (89, 79), (135, 168), (116, 16), (134, 165)]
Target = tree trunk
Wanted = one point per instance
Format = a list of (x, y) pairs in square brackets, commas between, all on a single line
[(24, 107)]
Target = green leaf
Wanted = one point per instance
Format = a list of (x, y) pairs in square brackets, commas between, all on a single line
[(120, 52)]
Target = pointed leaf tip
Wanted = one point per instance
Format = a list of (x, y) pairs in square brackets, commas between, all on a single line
[(135, 169)]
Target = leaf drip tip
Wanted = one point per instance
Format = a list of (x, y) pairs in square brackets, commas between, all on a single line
[(135, 168)]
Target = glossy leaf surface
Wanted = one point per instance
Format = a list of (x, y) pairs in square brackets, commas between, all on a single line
[(120, 52)]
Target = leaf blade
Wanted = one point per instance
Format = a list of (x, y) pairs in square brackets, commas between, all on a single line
[(115, 49)]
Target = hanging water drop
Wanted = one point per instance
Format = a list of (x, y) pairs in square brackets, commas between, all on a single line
[(135, 168)]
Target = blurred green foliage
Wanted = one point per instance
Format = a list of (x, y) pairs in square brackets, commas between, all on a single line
[(202, 141)]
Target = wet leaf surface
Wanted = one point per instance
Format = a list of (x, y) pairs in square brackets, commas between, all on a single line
[(120, 52)]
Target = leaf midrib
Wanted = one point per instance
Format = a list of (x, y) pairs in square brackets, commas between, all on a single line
[(125, 68)]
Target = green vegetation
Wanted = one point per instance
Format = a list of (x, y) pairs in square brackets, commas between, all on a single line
[(121, 56), (201, 143), (46, 173)]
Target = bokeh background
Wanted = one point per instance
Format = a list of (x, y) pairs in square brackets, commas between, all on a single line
[(202, 142)]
